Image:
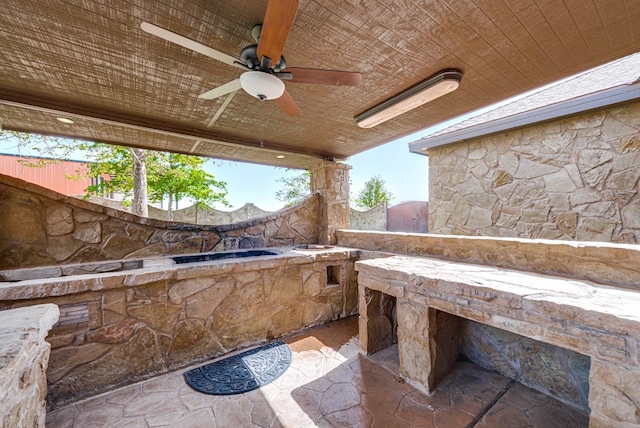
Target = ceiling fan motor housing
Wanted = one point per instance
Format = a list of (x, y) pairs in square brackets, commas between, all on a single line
[(249, 56)]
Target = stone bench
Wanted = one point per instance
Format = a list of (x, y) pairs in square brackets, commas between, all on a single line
[(602, 322)]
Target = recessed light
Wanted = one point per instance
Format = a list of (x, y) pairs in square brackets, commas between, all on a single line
[(64, 120), (280, 157)]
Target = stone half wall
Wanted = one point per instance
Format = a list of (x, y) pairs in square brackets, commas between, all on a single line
[(39, 227), (570, 179)]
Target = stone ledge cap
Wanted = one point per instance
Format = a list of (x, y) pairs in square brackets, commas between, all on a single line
[(22, 327)]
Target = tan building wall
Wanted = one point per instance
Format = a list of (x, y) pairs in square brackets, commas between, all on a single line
[(570, 179)]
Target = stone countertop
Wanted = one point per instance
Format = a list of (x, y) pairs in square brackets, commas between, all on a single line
[(586, 295), (21, 328), (159, 268), (584, 311)]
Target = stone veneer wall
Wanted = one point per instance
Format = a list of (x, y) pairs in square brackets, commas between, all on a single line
[(116, 328), (570, 179), (39, 227), (24, 355)]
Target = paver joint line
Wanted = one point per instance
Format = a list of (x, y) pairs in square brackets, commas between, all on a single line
[(489, 406)]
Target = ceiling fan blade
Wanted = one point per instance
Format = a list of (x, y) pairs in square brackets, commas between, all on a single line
[(191, 44), (324, 77), (287, 104), (225, 89), (278, 21)]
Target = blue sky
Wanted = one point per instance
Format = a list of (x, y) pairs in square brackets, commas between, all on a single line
[(405, 175)]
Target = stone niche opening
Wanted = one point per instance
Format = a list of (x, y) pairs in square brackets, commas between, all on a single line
[(334, 275), (557, 372)]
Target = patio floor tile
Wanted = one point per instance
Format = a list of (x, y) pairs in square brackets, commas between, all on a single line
[(329, 385)]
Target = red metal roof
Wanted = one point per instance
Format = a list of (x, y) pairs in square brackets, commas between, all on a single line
[(52, 176)]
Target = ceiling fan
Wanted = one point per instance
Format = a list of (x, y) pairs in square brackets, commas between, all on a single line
[(264, 65)]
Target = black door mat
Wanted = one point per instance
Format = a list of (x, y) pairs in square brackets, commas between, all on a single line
[(243, 372)]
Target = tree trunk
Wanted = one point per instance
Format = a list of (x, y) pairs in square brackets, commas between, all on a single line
[(139, 205), (170, 208)]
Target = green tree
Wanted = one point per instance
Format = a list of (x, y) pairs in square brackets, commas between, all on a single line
[(175, 176), (129, 170), (142, 174), (123, 170), (294, 189), (373, 193)]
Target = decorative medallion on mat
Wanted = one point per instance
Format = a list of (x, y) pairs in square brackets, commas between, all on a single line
[(243, 372)]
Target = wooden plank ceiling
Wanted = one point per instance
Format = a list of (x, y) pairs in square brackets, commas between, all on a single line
[(90, 61)]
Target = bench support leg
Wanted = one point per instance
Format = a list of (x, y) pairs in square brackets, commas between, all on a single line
[(377, 320), (416, 344), (614, 395)]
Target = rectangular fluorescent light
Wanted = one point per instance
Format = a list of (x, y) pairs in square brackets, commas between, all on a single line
[(428, 90)]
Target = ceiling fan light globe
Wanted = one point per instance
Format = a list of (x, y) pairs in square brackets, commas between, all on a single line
[(261, 85)]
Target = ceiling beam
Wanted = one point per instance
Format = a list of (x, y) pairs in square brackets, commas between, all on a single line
[(31, 102)]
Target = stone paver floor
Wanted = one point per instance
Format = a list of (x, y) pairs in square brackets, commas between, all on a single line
[(329, 384)]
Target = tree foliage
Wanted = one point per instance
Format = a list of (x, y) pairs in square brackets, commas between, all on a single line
[(294, 189), (175, 176), (114, 162), (43, 149), (373, 193)]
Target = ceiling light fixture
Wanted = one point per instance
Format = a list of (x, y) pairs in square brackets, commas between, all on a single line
[(64, 120), (280, 157), (428, 90), (263, 86)]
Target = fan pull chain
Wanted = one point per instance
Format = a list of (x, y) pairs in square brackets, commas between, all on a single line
[(260, 110)]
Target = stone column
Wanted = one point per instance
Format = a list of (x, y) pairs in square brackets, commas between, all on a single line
[(416, 344), (331, 180)]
